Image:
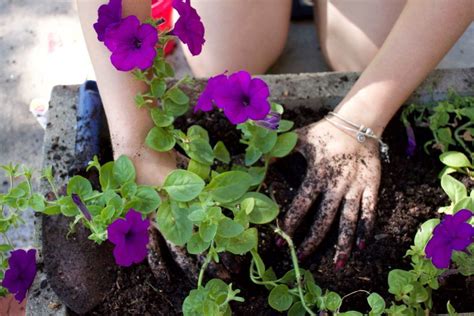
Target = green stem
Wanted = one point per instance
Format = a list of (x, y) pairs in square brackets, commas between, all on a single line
[(457, 136), (294, 260), (267, 164), (95, 196), (53, 188), (350, 294), (204, 266)]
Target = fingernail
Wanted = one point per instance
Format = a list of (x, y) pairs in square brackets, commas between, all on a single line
[(341, 262), (280, 242), (361, 244)]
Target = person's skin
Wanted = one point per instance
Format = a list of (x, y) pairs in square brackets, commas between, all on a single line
[(128, 125), (346, 172), (340, 169), (351, 32), (240, 34)]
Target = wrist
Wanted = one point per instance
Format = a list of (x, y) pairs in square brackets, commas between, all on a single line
[(363, 115)]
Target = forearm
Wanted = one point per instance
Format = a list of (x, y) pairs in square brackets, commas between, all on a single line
[(128, 125), (423, 34)]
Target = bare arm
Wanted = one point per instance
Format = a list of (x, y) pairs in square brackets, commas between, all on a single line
[(421, 37), (128, 125), (345, 172)]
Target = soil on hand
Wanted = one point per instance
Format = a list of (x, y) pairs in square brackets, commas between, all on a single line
[(409, 194)]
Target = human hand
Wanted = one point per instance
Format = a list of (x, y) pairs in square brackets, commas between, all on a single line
[(346, 173)]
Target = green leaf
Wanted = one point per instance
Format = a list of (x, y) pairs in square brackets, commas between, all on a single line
[(252, 155), (200, 169), (247, 205), (201, 151), (197, 132), (161, 118), (52, 210), (177, 96), (37, 202), (229, 186), (5, 247), (258, 262), (351, 313), (284, 145), (228, 228), (376, 303), (280, 298), (207, 231), (128, 190), (455, 159), (160, 139), (333, 301), (258, 175), (265, 209), (149, 199), (397, 280), (80, 186), (221, 153), (196, 245), (453, 188), (183, 186), (197, 215), (445, 137), (106, 177), (297, 310), (450, 309), (264, 140), (68, 208), (158, 87), (174, 109), (424, 235), (285, 126), (123, 170), (174, 224), (243, 243), (169, 71)]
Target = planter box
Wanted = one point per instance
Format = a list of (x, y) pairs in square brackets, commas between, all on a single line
[(322, 90)]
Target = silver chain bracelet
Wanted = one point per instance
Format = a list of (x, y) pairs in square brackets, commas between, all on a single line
[(361, 132)]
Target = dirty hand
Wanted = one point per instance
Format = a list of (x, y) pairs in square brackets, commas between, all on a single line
[(343, 172)]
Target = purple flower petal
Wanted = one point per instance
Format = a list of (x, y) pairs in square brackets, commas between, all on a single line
[(132, 45), (205, 102), (453, 233), (411, 147), (109, 14), (243, 98), (21, 273), (130, 236), (82, 207), (189, 28)]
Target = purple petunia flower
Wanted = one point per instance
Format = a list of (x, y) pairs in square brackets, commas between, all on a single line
[(109, 14), (411, 147), (21, 273), (132, 44), (243, 98), (206, 99), (453, 233), (130, 237), (189, 28), (77, 200), (272, 121)]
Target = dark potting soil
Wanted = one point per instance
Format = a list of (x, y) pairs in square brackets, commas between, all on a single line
[(409, 194)]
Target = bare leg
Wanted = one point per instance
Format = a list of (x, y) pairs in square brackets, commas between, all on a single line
[(128, 125), (240, 34), (352, 32)]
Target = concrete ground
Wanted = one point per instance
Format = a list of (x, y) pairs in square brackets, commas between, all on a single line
[(41, 45)]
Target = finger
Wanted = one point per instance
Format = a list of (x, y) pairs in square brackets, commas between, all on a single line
[(367, 217), (307, 193), (347, 227), (324, 218)]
